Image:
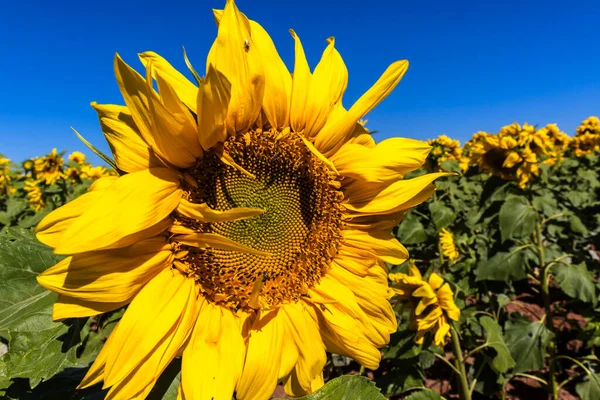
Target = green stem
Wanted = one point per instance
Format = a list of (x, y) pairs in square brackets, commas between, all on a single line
[(459, 362), (439, 244), (552, 386)]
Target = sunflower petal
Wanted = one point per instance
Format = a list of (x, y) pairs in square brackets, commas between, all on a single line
[(301, 81), (263, 358), (234, 54), (71, 307), (202, 212), (133, 203), (152, 331), (214, 357), (278, 81), (380, 244), (329, 82), (205, 240), (374, 200), (51, 229), (389, 160), (185, 89), (108, 276), (337, 131), (214, 97), (130, 151)]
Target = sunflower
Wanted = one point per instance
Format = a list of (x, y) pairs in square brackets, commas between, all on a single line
[(5, 188), (447, 245), (250, 230), (89, 172), (443, 148), (49, 168), (35, 196), (587, 137), (431, 303), (77, 157)]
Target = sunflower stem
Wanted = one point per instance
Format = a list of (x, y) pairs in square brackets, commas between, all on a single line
[(459, 361), (552, 387)]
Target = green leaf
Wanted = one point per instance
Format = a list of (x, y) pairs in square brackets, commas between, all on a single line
[(502, 362), (442, 216), (590, 388), (546, 203), (575, 281), (34, 350), (425, 394), (411, 230), (527, 342), (97, 152), (503, 266), (450, 166), (347, 387), (576, 225), (517, 218)]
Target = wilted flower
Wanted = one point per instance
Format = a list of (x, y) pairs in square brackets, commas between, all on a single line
[(431, 303), (447, 244)]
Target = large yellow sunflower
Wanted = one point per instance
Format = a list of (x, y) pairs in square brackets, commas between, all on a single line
[(250, 230)]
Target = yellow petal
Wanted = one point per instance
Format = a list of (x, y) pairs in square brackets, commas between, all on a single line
[(130, 151), (301, 81), (380, 244), (278, 81), (151, 333), (234, 54), (206, 240), (109, 276), (70, 307), (133, 203), (337, 132), (214, 357), (213, 102), (51, 229), (173, 128), (389, 160), (263, 358), (185, 89), (202, 212), (400, 195), (328, 84), (304, 332), (343, 335)]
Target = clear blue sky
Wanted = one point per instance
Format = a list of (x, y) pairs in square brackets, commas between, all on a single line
[(475, 65)]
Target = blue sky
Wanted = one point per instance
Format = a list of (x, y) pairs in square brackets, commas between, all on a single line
[(475, 65)]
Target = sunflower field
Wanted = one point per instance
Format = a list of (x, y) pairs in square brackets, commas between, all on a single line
[(247, 238), (498, 300)]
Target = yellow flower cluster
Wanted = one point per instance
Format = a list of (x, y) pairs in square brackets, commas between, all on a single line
[(443, 148), (431, 303), (49, 168), (35, 196), (587, 137), (5, 188), (516, 151), (447, 245)]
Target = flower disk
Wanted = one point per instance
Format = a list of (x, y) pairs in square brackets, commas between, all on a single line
[(298, 231)]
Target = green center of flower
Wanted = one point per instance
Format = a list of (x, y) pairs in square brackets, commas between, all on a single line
[(300, 226)]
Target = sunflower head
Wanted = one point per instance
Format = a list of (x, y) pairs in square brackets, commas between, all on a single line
[(447, 245), (443, 148), (431, 303), (250, 229), (587, 137), (77, 157), (49, 168), (35, 196)]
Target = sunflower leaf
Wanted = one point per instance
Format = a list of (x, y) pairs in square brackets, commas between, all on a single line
[(424, 394), (347, 387), (517, 218), (37, 347), (97, 152), (502, 361), (503, 266), (590, 388), (575, 281), (527, 342)]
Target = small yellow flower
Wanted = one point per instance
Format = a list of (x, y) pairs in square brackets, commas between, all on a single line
[(34, 195), (432, 303), (73, 174), (77, 156), (49, 168), (447, 243), (5, 189), (89, 172)]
